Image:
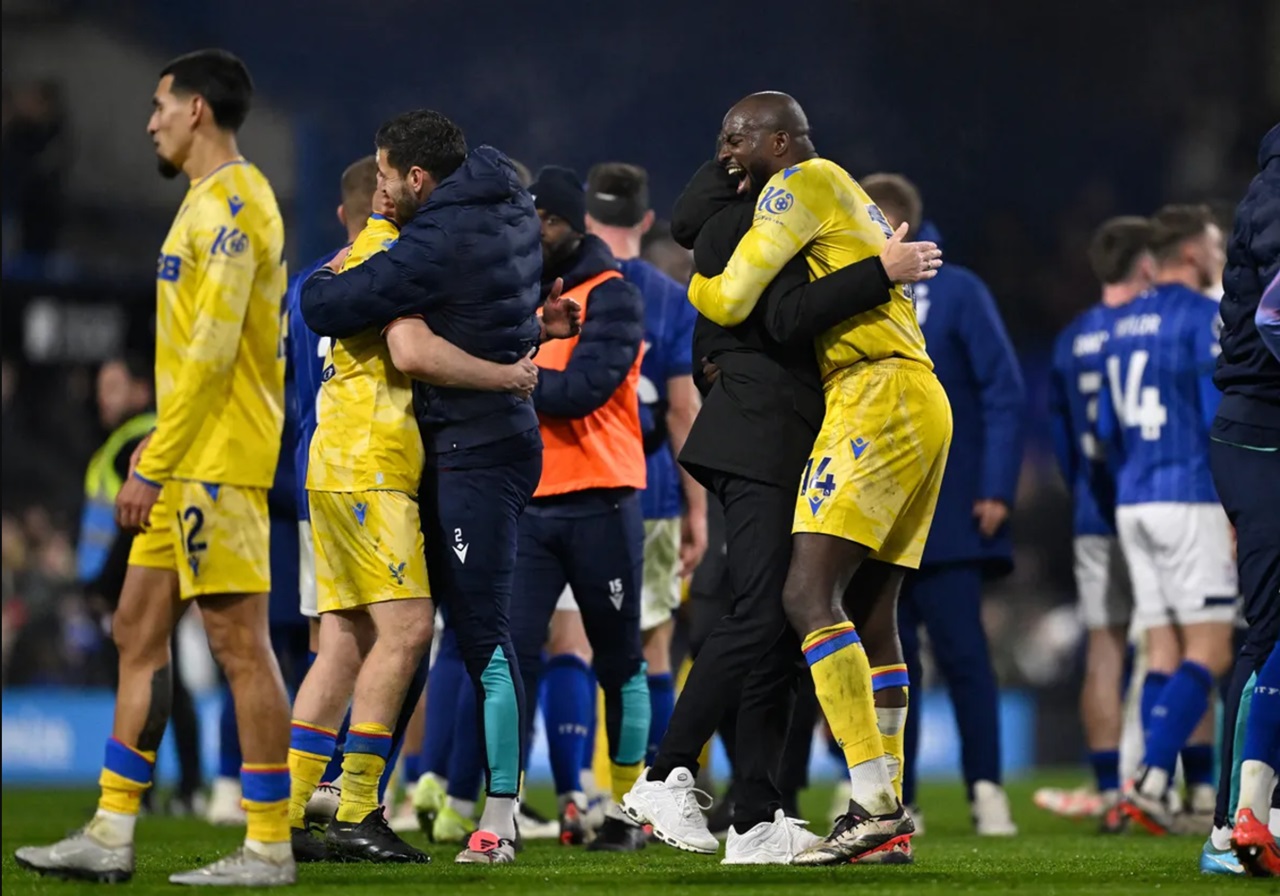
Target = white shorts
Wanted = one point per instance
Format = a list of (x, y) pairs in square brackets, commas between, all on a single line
[(1180, 563), (307, 600), (566, 602), (660, 593), (1102, 582)]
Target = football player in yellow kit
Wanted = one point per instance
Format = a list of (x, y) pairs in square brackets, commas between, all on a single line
[(198, 492), (365, 465), (868, 492)]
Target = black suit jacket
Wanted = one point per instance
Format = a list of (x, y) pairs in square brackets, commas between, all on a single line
[(760, 417)]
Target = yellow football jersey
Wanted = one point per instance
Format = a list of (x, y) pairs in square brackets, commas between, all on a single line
[(815, 208), (366, 435), (219, 359)]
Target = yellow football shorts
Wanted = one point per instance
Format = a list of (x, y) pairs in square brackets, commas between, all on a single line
[(369, 548), (217, 538), (876, 467)]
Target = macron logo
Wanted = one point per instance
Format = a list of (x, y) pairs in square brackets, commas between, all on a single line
[(360, 510), (461, 551), (235, 203), (859, 445)]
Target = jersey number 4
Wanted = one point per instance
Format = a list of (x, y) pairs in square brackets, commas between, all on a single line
[(1136, 405)]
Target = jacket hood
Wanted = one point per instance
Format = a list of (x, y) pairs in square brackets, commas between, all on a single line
[(711, 190), (1270, 148), (592, 259), (486, 177)]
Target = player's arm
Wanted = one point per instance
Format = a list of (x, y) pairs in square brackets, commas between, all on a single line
[(1268, 317), (405, 279), (1063, 441), (608, 345), (798, 310), (418, 352), (224, 285), (995, 369), (683, 403), (1207, 347), (784, 223)]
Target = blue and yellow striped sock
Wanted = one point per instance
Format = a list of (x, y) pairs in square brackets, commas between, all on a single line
[(367, 748), (310, 749), (266, 787), (892, 720), (127, 772), (842, 680)]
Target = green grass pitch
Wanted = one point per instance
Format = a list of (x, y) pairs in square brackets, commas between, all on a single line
[(1049, 857)]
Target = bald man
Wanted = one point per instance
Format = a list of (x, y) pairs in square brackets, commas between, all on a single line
[(870, 485)]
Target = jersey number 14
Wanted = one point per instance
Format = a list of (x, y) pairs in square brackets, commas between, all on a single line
[(1136, 405)]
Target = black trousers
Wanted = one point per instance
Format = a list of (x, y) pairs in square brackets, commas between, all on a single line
[(751, 657), (1246, 471)]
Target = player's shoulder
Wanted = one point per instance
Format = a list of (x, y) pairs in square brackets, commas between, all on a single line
[(237, 195), (378, 234), (653, 282), (812, 175), (1086, 334)]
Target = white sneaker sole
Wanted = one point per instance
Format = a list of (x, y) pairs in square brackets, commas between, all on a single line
[(642, 819)]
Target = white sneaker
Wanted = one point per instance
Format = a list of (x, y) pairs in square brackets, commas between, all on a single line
[(81, 856), (674, 808), (774, 842), (246, 867), (990, 810), (224, 803)]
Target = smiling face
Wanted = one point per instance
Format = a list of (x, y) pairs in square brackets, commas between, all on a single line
[(749, 150)]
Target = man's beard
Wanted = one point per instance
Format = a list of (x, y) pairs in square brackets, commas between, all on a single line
[(167, 169), (406, 205), (555, 257)]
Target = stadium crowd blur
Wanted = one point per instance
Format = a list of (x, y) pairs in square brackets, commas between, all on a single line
[(1020, 143)]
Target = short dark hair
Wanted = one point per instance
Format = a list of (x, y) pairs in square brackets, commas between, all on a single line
[(359, 182), (425, 139), (220, 78), (1116, 247), (1173, 225), (897, 194), (618, 193)]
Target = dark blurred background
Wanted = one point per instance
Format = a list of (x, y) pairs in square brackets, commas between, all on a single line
[(1025, 124)]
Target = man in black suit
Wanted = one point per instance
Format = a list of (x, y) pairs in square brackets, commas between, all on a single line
[(763, 409)]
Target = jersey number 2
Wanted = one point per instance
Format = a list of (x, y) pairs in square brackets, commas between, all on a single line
[(1136, 405)]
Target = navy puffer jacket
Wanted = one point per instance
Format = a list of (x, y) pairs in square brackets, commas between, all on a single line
[(1248, 374), (469, 262)]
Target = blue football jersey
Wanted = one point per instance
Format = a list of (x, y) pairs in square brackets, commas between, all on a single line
[(1076, 383), (306, 357), (668, 336), (1160, 400)]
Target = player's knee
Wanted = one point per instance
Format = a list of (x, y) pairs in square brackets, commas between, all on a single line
[(241, 648), (410, 633), (805, 609), (137, 641)]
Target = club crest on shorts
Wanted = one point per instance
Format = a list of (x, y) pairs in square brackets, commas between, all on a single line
[(818, 484)]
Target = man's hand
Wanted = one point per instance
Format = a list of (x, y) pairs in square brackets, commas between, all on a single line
[(137, 452), (991, 514), (710, 371), (335, 264), (561, 317), (134, 502), (910, 262), (693, 542), (524, 377)]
